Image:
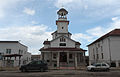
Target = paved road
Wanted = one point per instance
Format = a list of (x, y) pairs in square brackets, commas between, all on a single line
[(60, 73)]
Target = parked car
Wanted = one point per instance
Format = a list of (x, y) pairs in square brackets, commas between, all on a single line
[(35, 65), (98, 67)]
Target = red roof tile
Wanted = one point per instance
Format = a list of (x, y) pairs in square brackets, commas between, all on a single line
[(115, 32), (77, 43), (46, 42), (61, 49)]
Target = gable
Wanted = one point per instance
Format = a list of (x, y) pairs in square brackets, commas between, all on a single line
[(62, 40)]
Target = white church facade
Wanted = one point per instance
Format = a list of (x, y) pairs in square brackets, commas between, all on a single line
[(62, 51)]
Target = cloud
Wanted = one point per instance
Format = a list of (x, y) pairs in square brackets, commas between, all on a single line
[(32, 36), (4, 4), (92, 34), (92, 9), (29, 11), (81, 36), (96, 32)]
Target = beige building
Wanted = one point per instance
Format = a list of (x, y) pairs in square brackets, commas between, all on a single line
[(62, 51), (106, 49), (13, 54)]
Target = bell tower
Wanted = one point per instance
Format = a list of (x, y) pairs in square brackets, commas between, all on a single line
[(62, 22)]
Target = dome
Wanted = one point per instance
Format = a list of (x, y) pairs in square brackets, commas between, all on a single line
[(62, 10)]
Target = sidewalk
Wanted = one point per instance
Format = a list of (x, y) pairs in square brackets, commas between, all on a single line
[(9, 68)]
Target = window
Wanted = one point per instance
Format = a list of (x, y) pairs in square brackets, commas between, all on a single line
[(62, 27), (94, 56), (96, 49), (102, 55), (20, 51), (62, 39), (104, 65), (70, 56), (8, 51), (62, 44), (98, 65), (101, 48), (98, 45), (97, 56), (54, 55)]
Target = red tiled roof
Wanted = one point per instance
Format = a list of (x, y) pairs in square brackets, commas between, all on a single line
[(46, 42), (115, 32), (62, 33), (9, 42), (61, 21), (77, 43), (61, 49)]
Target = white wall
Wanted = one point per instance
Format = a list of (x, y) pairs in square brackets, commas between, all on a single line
[(69, 43), (111, 49), (115, 47), (64, 25), (15, 47)]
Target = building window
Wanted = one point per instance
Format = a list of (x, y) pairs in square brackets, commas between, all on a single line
[(94, 56), (62, 44), (102, 55), (101, 48), (8, 51), (96, 49), (54, 55), (62, 39), (20, 51), (97, 56), (70, 56), (98, 44), (62, 27)]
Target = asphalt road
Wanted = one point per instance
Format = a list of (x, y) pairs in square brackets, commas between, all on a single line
[(60, 73)]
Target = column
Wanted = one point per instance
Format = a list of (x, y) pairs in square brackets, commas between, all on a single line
[(58, 56), (75, 59), (68, 58), (42, 55), (84, 58), (50, 58)]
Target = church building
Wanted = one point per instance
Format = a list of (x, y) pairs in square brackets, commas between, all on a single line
[(62, 51)]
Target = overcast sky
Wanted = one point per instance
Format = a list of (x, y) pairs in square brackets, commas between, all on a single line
[(32, 21)]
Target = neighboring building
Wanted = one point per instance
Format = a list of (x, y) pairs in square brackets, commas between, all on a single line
[(106, 49), (14, 53), (62, 51), (35, 57)]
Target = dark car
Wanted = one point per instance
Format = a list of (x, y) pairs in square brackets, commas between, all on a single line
[(34, 65)]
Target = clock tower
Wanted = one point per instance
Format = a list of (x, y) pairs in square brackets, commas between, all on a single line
[(62, 22)]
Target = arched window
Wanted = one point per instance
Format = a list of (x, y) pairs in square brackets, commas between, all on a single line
[(62, 39)]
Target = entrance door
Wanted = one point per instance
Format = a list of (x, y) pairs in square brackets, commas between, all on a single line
[(63, 56)]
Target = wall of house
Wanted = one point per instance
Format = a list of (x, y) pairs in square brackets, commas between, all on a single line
[(15, 47), (115, 47), (97, 49), (110, 49)]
